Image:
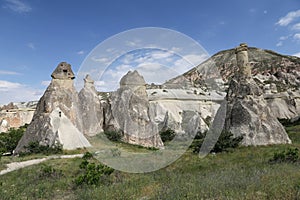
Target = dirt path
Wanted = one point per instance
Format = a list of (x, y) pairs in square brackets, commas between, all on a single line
[(18, 165)]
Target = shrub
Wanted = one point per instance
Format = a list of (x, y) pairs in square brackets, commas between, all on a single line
[(225, 142), (113, 136), (35, 148), (48, 171), (87, 156), (9, 140), (167, 135), (92, 173), (290, 156)]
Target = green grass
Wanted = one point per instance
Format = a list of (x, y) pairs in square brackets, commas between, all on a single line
[(244, 173)]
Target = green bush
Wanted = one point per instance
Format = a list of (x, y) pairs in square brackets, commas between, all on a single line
[(9, 140), (35, 148), (290, 156), (87, 156), (92, 173), (113, 136), (48, 171), (225, 142), (167, 135)]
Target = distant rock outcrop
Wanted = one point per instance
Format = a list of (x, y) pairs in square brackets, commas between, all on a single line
[(130, 111), (57, 119), (91, 108), (15, 115), (248, 113)]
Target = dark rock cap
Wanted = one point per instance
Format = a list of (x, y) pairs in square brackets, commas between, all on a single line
[(242, 47), (63, 71)]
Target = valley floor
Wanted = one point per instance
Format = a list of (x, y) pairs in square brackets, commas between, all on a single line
[(244, 173)]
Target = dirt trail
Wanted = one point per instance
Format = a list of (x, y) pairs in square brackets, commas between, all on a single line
[(18, 165)]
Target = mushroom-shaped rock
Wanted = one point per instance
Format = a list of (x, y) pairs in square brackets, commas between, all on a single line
[(247, 111), (57, 117), (130, 112), (63, 71)]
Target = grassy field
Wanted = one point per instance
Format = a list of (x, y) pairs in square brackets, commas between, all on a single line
[(244, 173)]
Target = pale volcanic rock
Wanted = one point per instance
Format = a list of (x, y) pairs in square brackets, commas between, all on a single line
[(57, 110), (91, 108), (130, 111)]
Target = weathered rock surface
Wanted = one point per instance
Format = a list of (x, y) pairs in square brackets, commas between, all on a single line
[(130, 112), (169, 107), (15, 115), (91, 108), (248, 113), (57, 118)]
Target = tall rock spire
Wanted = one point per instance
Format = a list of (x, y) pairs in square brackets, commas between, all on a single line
[(242, 60), (57, 118), (247, 111)]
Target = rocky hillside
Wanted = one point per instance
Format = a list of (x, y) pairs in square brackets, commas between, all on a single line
[(267, 67)]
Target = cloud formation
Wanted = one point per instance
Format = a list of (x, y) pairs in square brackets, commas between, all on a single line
[(291, 16), (155, 65), (31, 45), (291, 21), (17, 6), (80, 52), (4, 72), (17, 92)]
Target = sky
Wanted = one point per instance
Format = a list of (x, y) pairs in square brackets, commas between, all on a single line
[(36, 35)]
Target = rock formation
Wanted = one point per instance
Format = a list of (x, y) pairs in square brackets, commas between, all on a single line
[(15, 115), (248, 113), (130, 111), (57, 119), (91, 108)]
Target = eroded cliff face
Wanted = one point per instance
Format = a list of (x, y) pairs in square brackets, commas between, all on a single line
[(15, 115), (278, 76)]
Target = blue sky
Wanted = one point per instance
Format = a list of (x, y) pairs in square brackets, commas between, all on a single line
[(36, 35)]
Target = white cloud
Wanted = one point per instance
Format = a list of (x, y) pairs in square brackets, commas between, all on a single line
[(265, 12), (297, 54), (80, 52), (4, 72), (133, 43), (286, 20), (297, 36), (6, 85), (31, 45), (279, 44), (45, 83), (284, 37), (17, 6), (296, 27), (17, 92), (123, 67), (101, 60), (99, 83), (160, 55)]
